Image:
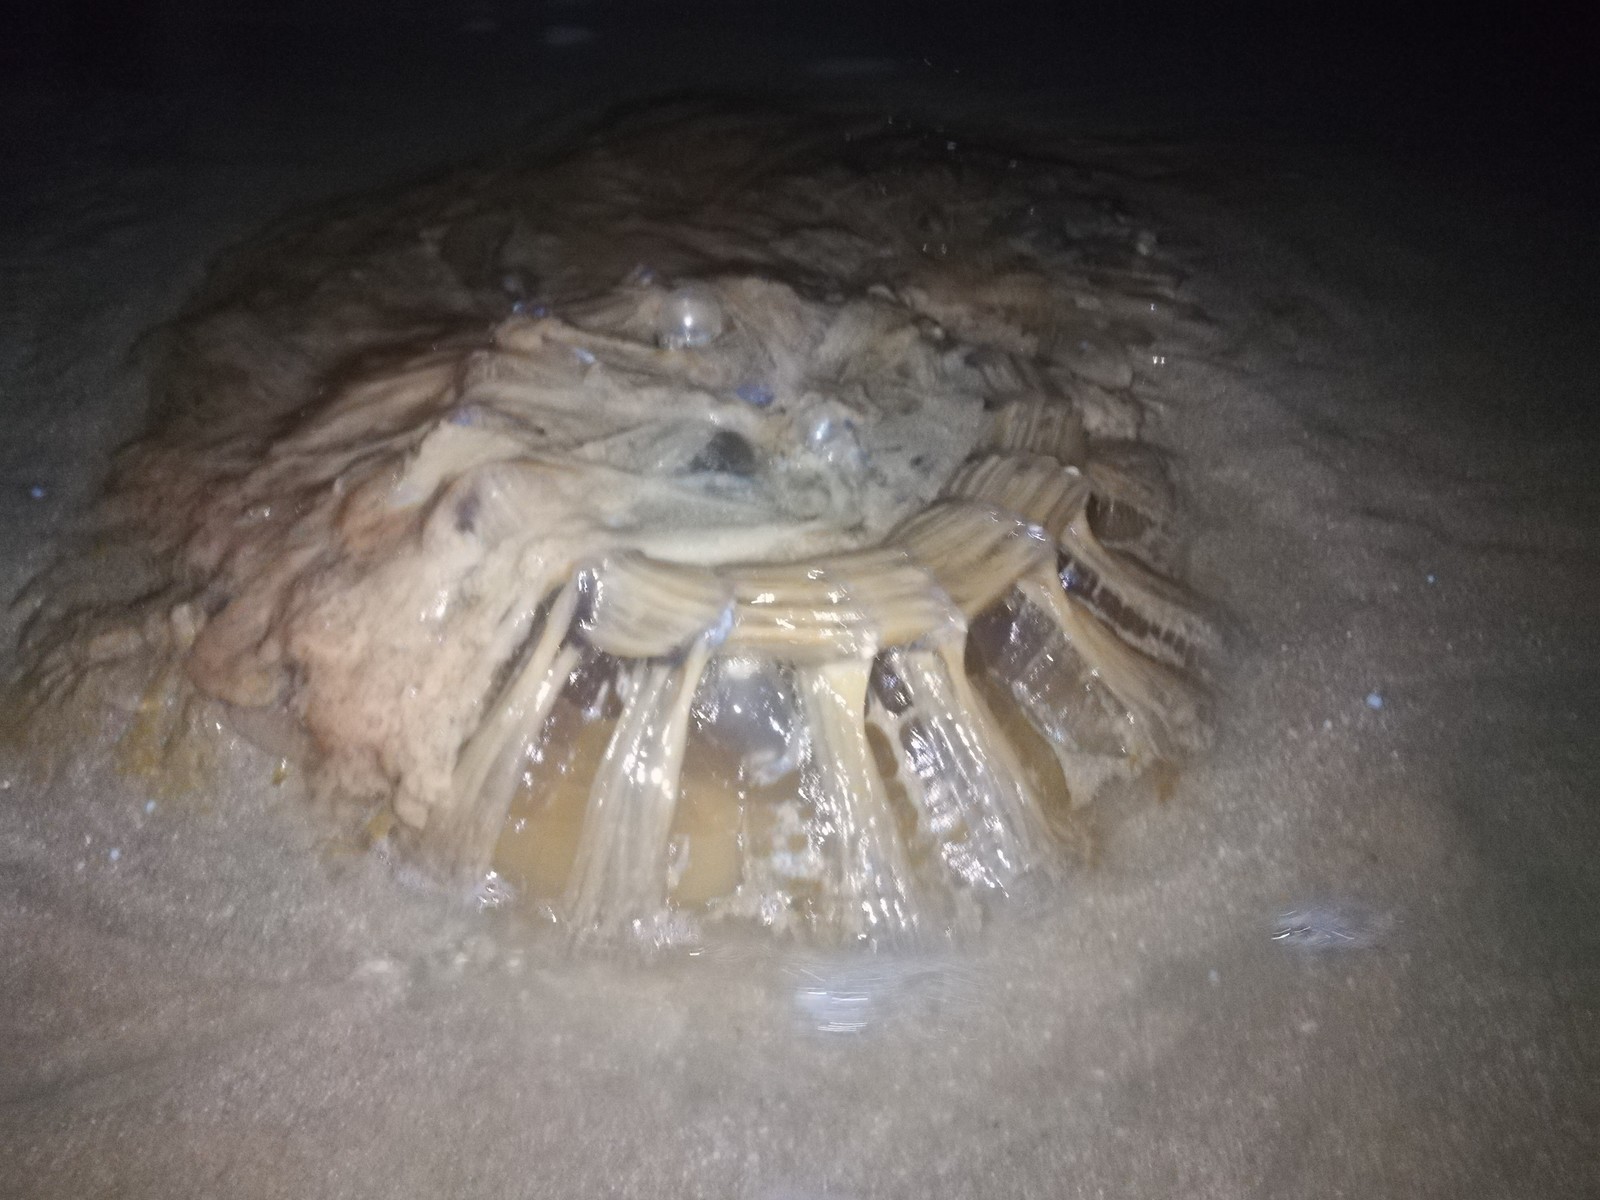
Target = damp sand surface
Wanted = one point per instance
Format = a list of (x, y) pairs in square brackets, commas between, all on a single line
[(1352, 953)]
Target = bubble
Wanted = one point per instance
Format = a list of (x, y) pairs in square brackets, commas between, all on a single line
[(749, 707), (690, 317), (836, 441)]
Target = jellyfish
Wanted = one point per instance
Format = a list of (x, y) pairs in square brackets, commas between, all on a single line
[(765, 569)]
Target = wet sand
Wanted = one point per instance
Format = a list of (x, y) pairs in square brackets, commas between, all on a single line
[(1387, 459)]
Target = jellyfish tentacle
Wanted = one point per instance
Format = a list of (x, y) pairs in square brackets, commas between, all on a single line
[(1034, 486), (1032, 426), (1136, 485), (1131, 513), (1016, 805), (619, 876), (839, 607), (975, 551), (870, 897), (1164, 711), (1148, 610), (489, 766), (972, 802), (640, 607)]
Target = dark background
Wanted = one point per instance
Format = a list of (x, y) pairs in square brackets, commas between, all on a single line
[(1466, 77)]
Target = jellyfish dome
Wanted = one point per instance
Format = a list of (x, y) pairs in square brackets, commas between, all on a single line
[(730, 518)]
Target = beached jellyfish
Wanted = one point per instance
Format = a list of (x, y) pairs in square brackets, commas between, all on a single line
[(611, 632)]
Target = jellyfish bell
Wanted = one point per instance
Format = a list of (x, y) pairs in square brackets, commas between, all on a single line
[(777, 583)]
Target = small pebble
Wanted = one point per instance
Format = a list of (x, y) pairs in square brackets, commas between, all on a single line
[(1432, 580), (114, 854), (38, 491), (149, 806), (1374, 701)]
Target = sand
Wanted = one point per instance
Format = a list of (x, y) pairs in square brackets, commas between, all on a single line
[(1387, 462)]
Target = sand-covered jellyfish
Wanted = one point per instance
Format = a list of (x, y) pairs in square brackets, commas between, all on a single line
[(728, 518)]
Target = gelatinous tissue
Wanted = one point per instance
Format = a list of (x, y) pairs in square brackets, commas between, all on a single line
[(663, 529)]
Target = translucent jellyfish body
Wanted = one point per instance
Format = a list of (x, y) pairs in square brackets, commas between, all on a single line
[(824, 628)]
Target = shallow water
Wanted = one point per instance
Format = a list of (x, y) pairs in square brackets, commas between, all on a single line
[(204, 998)]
